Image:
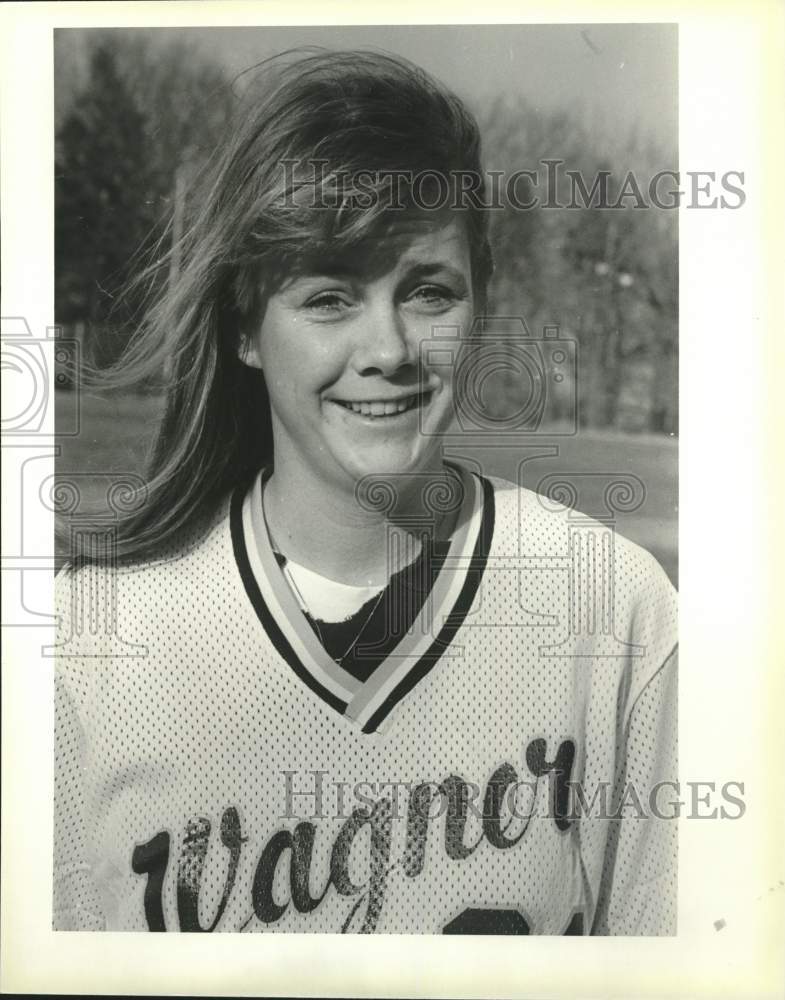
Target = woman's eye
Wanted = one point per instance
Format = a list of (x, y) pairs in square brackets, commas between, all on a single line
[(434, 296), (327, 302)]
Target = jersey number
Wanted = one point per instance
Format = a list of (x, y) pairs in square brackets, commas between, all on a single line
[(477, 920)]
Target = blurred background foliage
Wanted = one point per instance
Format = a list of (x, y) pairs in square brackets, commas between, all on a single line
[(607, 277), (134, 120)]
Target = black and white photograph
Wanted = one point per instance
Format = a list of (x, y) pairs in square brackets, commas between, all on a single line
[(357, 417), (385, 650)]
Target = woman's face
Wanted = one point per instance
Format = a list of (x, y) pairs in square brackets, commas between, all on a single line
[(341, 347)]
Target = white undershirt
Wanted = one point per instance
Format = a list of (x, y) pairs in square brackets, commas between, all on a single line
[(325, 599)]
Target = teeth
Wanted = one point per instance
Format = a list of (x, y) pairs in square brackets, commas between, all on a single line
[(381, 408)]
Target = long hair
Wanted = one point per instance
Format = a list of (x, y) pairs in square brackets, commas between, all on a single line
[(307, 166)]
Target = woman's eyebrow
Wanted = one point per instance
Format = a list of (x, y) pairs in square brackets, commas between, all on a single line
[(414, 270), (428, 269), (320, 273), (336, 269)]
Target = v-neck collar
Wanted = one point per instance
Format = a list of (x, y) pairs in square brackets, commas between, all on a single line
[(366, 703)]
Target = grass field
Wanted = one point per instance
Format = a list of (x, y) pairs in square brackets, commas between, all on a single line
[(115, 434)]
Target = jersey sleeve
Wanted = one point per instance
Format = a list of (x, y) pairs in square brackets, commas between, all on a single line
[(638, 888), (76, 901)]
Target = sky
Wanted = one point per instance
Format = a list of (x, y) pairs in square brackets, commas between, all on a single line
[(623, 77)]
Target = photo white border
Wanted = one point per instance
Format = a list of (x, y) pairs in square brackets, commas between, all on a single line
[(731, 59)]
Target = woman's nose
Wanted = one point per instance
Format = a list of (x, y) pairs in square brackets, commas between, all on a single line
[(386, 342)]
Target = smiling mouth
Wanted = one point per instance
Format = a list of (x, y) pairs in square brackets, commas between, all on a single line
[(385, 408)]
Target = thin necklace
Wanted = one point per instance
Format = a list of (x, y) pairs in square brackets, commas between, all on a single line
[(287, 573), (312, 618), (304, 604)]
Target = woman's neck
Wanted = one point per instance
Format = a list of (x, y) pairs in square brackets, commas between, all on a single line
[(357, 540)]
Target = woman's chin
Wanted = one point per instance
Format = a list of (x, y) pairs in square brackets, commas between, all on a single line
[(393, 461)]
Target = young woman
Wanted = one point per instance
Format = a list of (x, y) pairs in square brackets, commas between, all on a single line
[(346, 684)]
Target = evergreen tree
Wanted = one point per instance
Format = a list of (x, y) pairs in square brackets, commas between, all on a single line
[(103, 206)]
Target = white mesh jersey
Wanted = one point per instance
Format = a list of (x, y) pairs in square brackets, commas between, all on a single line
[(215, 770)]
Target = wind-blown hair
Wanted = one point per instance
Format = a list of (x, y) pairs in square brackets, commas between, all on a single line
[(317, 159)]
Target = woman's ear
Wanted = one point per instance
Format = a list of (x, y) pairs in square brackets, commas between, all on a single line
[(248, 350), (251, 304)]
